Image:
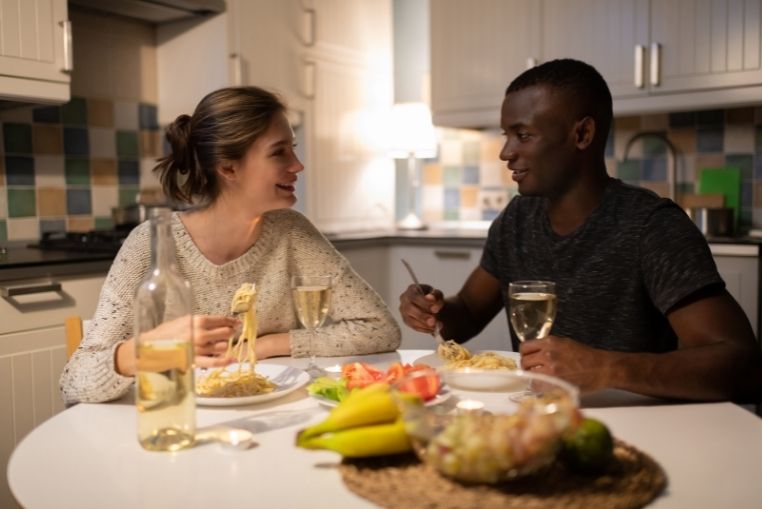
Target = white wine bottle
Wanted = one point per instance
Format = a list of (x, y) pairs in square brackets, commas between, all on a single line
[(164, 387)]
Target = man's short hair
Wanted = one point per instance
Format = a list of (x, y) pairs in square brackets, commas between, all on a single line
[(582, 83)]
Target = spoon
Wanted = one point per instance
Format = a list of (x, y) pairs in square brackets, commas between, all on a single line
[(437, 328), (235, 438)]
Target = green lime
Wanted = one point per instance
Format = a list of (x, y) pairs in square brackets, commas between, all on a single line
[(589, 447)]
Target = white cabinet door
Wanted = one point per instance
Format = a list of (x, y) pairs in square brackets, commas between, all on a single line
[(707, 44), (477, 48), (35, 50), (741, 276), (603, 33), (445, 268), (372, 264)]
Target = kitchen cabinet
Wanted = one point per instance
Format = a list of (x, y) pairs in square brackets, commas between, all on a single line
[(477, 48), (33, 352), (655, 55), (35, 51), (739, 267)]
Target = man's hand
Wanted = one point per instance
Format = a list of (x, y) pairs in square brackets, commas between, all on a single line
[(581, 365), (419, 311)]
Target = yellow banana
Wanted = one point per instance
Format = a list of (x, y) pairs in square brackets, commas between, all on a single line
[(369, 389), (378, 440), (376, 407)]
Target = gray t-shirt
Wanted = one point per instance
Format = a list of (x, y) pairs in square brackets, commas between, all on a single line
[(616, 276)]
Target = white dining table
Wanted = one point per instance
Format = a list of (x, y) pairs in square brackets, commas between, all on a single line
[(88, 456)]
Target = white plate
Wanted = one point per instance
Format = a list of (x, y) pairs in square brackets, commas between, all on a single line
[(435, 362), (443, 395), (286, 379)]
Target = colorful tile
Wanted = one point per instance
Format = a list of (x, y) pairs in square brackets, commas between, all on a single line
[(757, 195), (709, 161), (432, 198), (103, 172), (104, 198), (147, 116), (686, 169), (127, 144), (758, 166), (19, 171), (684, 139), (100, 113), (451, 176), (150, 144), (629, 171), (47, 138), (77, 172), (451, 199), (654, 169), (432, 174), (3, 202), (489, 215), (631, 123), (655, 122), (468, 196), (758, 140), (49, 171), (747, 193), (128, 172), (744, 115), (682, 119), (21, 202), (471, 175), (104, 223), (127, 195), (653, 146), (78, 201), (17, 138), (52, 201), (471, 151), (20, 115), (74, 112), (3, 230), (47, 115), (621, 141), (102, 142), (710, 118), (80, 224), (744, 162), (739, 139), (490, 147), (709, 139), (451, 153), (24, 228), (76, 141), (52, 225), (126, 115)]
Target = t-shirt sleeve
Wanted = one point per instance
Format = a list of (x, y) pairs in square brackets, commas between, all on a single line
[(675, 257)]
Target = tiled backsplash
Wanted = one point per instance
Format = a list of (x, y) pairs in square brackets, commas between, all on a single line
[(65, 167), (467, 181)]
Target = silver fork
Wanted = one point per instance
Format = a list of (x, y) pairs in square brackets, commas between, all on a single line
[(437, 328)]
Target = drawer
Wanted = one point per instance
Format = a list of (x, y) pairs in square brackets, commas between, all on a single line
[(45, 302)]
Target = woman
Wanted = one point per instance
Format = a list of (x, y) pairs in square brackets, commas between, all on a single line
[(234, 161)]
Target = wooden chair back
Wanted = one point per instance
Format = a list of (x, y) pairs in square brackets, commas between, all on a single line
[(73, 327)]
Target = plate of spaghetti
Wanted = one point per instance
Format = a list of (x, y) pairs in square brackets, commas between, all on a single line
[(451, 355), (237, 384)]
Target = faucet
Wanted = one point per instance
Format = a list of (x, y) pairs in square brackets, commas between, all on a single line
[(671, 161)]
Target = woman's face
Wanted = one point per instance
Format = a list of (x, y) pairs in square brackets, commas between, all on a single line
[(267, 173)]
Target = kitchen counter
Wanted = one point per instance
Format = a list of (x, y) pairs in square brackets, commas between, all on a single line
[(18, 261)]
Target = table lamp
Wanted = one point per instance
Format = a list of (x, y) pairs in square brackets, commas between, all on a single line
[(412, 138)]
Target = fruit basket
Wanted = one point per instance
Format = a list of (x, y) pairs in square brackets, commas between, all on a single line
[(497, 426)]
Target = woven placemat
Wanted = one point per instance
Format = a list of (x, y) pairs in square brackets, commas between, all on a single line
[(632, 480)]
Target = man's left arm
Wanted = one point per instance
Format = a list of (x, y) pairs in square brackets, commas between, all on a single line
[(718, 357)]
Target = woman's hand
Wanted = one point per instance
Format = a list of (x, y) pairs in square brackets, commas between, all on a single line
[(210, 340), (419, 311)]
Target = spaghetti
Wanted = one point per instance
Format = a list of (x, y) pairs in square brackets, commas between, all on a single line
[(458, 356)]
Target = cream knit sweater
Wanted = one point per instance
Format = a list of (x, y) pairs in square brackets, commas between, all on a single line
[(360, 322)]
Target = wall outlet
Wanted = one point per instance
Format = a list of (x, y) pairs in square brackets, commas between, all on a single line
[(493, 199)]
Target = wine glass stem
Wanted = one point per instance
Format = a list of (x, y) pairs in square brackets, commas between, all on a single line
[(313, 364)]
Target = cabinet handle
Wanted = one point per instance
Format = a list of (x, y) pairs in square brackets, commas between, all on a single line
[(309, 80), (12, 291), (452, 255), (309, 27), (655, 63), (68, 52), (640, 53), (237, 69)]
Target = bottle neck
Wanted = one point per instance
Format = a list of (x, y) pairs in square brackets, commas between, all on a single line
[(162, 243)]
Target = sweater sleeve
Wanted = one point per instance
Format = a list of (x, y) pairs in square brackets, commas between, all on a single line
[(359, 320), (90, 375)]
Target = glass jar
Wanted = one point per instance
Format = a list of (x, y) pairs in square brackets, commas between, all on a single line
[(164, 385)]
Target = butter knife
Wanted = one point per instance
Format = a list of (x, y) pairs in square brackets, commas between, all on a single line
[(437, 328)]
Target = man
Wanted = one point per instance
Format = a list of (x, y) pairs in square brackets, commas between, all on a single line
[(641, 306)]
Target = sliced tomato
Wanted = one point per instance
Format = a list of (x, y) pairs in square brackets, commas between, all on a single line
[(426, 385), (359, 374)]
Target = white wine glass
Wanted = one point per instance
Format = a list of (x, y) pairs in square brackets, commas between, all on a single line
[(312, 302), (532, 307)]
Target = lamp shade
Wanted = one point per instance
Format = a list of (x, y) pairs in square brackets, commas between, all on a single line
[(412, 132)]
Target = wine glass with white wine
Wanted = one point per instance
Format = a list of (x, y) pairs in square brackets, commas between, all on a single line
[(312, 302), (532, 306)]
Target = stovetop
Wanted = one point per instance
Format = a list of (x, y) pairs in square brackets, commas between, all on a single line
[(95, 241)]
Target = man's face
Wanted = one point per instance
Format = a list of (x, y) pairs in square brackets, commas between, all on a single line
[(539, 140)]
